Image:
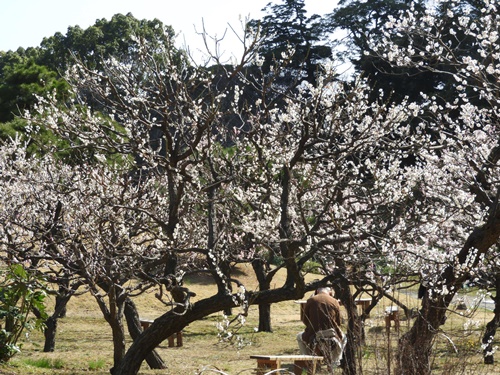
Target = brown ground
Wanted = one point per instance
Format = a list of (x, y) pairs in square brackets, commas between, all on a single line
[(84, 342)]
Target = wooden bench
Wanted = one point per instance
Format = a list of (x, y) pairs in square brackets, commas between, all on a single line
[(302, 305), (145, 323), (273, 362), (391, 314), (364, 303)]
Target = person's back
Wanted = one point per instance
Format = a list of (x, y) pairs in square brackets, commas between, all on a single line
[(321, 312), (322, 334)]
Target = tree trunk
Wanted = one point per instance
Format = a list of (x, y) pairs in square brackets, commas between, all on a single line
[(134, 327), (118, 341), (63, 296), (265, 318), (264, 309), (165, 326), (226, 271), (491, 327), (50, 334), (174, 321), (63, 301), (50, 329), (415, 347), (115, 320), (51, 323), (349, 363)]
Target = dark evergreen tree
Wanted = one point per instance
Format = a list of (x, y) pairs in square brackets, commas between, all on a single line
[(25, 74), (363, 21), (21, 81), (287, 28), (118, 37)]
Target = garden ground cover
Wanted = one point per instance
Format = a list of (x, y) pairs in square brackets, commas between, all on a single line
[(84, 344)]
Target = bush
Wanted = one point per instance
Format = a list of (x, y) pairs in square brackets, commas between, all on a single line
[(20, 293), (45, 363)]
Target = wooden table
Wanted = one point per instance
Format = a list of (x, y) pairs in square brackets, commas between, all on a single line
[(145, 323), (273, 362), (364, 303), (391, 314), (302, 305)]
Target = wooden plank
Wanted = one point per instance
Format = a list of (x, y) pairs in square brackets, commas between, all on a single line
[(288, 357), (145, 323), (273, 362), (364, 303), (391, 314)]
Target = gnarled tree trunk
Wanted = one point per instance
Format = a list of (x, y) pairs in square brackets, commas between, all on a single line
[(50, 329), (173, 321), (415, 347), (342, 289), (258, 266), (134, 328), (491, 327), (118, 331)]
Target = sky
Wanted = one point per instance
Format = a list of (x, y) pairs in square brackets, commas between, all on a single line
[(24, 23)]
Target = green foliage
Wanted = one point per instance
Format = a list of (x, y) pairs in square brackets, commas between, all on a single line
[(44, 141), (17, 128), (20, 292), (26, 74), (118, 37), (312, 266), (12, 129), (276, 260), (45, 363), (41, 142), (21, 81), (97, 364)]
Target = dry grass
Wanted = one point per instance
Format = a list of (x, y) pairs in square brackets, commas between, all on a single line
[(84, 342)]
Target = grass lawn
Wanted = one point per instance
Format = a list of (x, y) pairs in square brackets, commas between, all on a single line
[(84, 346)]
